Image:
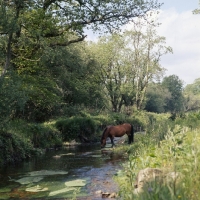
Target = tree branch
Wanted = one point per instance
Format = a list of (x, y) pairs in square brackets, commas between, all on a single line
[(68, 42)]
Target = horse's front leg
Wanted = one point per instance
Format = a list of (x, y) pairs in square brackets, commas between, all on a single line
[(112, 141)]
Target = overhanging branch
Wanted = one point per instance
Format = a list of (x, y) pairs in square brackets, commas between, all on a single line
[(68, 42)]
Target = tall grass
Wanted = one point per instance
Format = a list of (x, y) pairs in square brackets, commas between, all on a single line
[(169, 146)]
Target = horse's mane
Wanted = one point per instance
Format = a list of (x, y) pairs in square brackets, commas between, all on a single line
[(103, 134)]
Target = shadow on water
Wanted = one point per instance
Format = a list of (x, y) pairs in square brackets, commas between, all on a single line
[(73, 172)]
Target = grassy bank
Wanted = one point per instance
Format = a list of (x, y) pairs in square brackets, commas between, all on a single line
[(172, 146)]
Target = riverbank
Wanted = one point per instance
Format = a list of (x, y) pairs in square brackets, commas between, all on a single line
[(21, 140), (167, 169)]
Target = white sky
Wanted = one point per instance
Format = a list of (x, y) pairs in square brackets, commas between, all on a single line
[(182, 31)]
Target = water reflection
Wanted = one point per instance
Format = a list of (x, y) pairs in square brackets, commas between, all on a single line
[(79, 161)]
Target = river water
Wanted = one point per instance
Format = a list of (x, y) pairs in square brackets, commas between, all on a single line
[(73, 172)]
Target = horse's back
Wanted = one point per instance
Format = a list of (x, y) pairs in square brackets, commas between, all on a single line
[(117, 131), (127, 125)]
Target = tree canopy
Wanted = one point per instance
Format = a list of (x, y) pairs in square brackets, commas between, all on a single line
[(127, 63), (174, 85), (28, 27)]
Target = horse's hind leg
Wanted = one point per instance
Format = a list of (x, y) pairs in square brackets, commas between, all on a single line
[(129, 139)]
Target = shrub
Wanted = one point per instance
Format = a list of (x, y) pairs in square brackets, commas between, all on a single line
[(72, 127), (14, 148), (43, 136)]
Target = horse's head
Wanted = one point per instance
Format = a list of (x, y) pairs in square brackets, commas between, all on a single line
[(104, 136), (103, 142)]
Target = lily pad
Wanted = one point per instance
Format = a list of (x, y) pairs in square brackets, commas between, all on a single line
[(46, 173), (68, 154), (76, 183), (61, 191), (96, 156), (27, 180), (86, 153), (36, 188)]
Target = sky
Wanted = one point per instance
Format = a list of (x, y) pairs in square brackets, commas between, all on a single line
[(182, 31), (181, 28)]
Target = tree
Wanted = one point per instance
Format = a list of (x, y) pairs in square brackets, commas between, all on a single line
[(32, 30), (108, 53), (127, 63), (197, 10), (12, 98), (146, 49), (65, 76), (156, 98), (174, 104), (192, 96), (27, 27), (75, 75)]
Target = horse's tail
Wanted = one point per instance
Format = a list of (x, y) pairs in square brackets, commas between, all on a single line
[(131, 139)]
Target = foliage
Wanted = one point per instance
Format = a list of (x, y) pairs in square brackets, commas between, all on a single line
[(43, 99), (178, 152), (192, 96), (72, 127), (21, 140), (35, 44), (156, 98), (75, 75), (14, 148), (191, 120), (127, 63), (13, 98), (41, 135), (28, 27), (197, 10), (174, 104)]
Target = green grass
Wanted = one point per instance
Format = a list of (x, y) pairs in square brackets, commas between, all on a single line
[(176, 150)]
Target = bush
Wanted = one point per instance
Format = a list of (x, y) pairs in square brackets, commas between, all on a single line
[(14, 148), (191, 120), (43, 136), (72, 127)]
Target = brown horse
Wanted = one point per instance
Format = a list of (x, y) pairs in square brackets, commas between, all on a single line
[(117, 131)]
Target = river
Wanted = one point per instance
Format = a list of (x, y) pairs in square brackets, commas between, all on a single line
[(73, 172)]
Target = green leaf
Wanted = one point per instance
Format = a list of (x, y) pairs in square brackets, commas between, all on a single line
[(152, 155)]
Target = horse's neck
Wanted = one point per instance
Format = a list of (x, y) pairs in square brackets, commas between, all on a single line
[(105, 134)]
